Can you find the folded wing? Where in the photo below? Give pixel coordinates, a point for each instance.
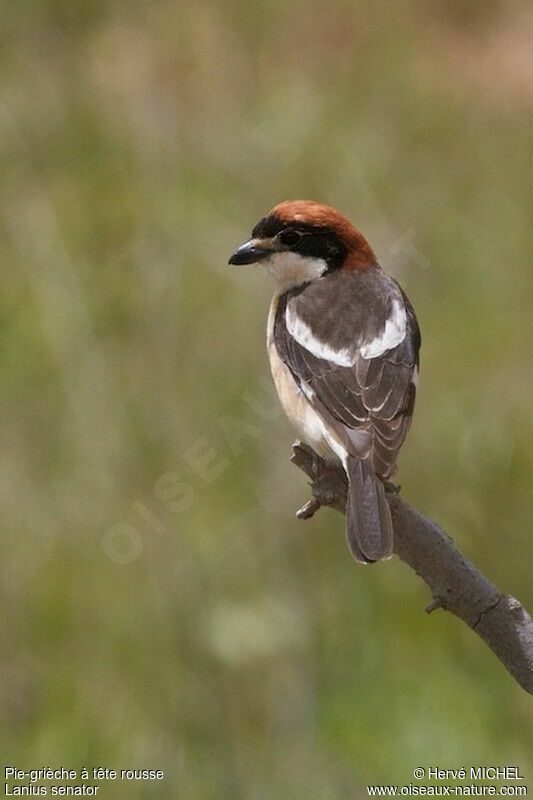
(351, 342)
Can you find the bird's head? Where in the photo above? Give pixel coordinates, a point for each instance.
(301, 240)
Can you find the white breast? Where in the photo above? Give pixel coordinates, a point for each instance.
(302, 415)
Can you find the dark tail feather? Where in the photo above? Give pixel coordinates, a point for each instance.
(368, 518)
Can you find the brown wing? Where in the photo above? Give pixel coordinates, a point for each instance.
(369, 403)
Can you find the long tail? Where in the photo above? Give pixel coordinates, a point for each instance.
(368, 519)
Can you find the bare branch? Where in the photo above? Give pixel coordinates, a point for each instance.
(455, 583)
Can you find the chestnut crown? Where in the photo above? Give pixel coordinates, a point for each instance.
(311, 230)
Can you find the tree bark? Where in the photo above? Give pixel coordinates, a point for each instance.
(455, 583)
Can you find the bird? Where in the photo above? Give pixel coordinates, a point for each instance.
(343, 342)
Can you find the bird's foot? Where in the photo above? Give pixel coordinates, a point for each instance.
(391, 488)
(328, 482)
(326, 487)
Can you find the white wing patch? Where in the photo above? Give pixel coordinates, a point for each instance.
(392, 334)
(303, 334)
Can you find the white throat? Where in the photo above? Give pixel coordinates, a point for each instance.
(290, 270)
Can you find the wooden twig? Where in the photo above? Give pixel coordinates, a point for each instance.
(455, 583)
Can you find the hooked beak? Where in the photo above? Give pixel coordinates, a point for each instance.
(252, 251)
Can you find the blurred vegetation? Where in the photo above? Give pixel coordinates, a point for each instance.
(162, 608)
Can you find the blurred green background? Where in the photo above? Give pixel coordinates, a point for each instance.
(161, 607)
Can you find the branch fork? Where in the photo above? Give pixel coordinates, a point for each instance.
(456, 585)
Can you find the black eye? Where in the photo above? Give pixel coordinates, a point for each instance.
(290, 237)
